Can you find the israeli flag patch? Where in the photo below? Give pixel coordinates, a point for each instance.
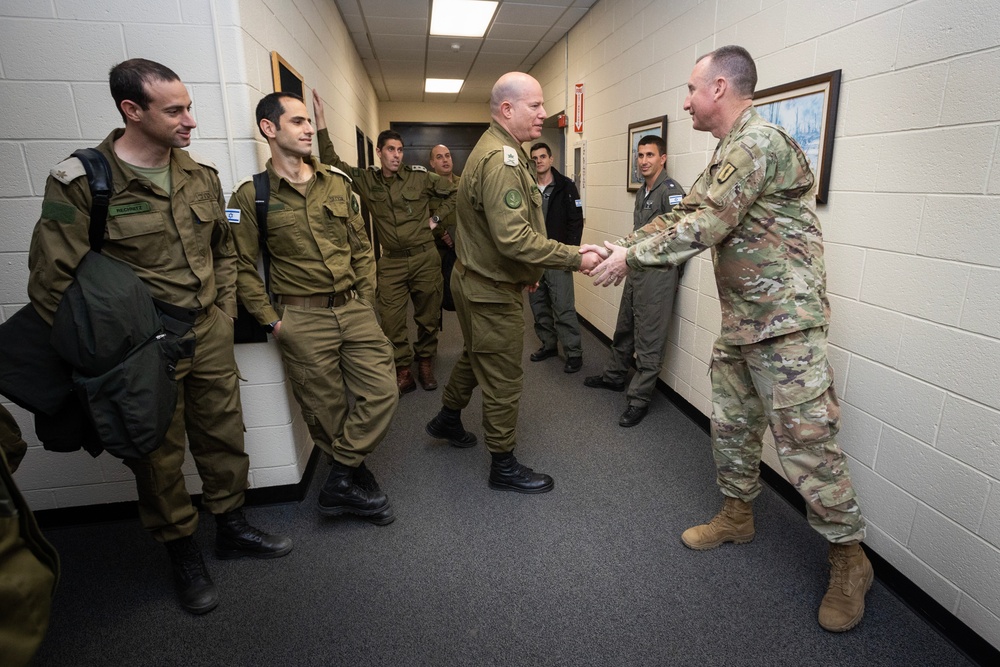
(579, 203)
(233, 215)
(675, 199)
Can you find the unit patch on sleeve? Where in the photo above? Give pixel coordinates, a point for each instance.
(675, 199)
(724, 173)
(512, 198)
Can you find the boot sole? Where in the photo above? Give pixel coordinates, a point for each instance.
(366, 514)
(198, 611)
(454, 443)
(407, 390)
(232, 554)
(861, 613)
(517, 489)
(712, 545)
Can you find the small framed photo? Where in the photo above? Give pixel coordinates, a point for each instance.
(807, 109)
(286, 78)
(637, 131)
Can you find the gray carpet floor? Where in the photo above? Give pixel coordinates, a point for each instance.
(593, 573)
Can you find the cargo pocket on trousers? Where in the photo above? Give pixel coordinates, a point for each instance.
(490, 321)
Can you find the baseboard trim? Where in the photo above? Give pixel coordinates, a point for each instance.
(91, 514)
(964, 638)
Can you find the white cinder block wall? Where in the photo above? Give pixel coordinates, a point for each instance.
(54, 62)
(912, 238)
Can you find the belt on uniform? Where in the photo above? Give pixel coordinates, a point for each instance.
(466, 271)
(407, 252)
(186, 315)
(316, 300)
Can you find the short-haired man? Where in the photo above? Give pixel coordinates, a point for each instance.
(166, 222)
(754, 207)
(648, 296)
(322, 275)
(502, 249)
(398, 196)
(442, 165)
(553, 304)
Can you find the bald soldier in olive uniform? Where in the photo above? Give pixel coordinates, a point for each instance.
(502, 249)
(166, 222)
(398, 196)
(442, 164)
(323, 281)
(754, 207)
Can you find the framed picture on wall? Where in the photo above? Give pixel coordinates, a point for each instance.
(637, 131)
(807, 109)
(286, 78)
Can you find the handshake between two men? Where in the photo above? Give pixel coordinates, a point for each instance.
(606, 265)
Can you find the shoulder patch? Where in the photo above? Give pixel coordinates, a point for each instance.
(724, 173)
(233, 215)
(333, 170)
(512, 198)
(509, 156)
(354, 204)
(203, 161)
(675, 199)
(68, 170)
(416, 167)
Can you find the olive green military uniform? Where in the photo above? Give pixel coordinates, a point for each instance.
(502, 248)
(410, 267)
(646, 305)
(323, 279)
(179, 245)
(754, 207)
(449, 224)
(29, 566)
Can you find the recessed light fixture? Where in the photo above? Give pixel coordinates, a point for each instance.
(443, 85)
(461, 18)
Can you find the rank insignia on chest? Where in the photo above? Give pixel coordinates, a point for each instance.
(724, 173)
(648, 205)
(509, 156)
(512, 199)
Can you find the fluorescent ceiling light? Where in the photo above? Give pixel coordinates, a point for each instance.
(461, 18)
(443, 85)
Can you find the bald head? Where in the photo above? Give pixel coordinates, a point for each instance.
(516, 104)
(440, 161)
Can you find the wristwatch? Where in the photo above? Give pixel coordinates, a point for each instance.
(435, 219)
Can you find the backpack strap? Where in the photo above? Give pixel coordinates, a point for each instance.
(262, 196)
(99, 176)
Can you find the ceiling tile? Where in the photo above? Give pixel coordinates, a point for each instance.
(507, 46)
(447, 70)
(525, 14)
(398, 42)
(411, 9)
(522, 32)
(393, 25)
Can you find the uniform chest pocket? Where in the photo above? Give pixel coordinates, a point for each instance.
(141, 238)
(536, 197)
(206, 215)
(283, 235)
(411, 194)
(335, 222)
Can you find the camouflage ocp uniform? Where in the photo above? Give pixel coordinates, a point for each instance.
(753, 206)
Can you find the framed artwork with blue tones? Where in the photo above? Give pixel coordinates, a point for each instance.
(807, 109)
(637, 131)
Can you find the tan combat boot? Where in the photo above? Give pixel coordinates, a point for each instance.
(404, 380)
(851, 576)
(733, 524)
(425, 373)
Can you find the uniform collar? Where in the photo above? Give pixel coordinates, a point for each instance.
(121, 174)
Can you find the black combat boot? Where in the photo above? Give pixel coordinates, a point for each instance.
(235, 538)
(506, 474)
(195, 589)
(364, 478)
(341, 495)
(447, 425)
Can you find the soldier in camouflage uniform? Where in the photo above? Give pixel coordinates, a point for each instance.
(398, 196)
(502, 249)
(323, 280)
(166, 222)
(754, 207)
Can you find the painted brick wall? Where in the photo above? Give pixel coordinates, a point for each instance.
(912, 241)
(54, 61)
